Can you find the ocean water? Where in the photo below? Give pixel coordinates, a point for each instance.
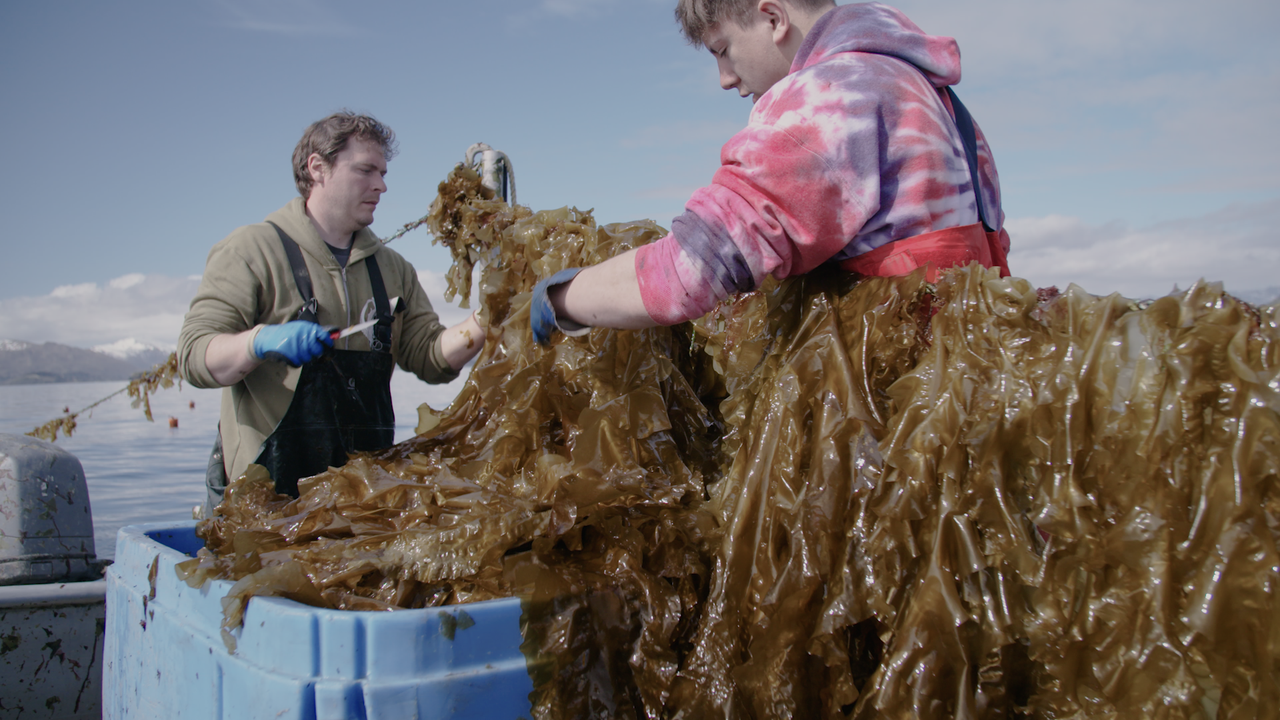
(140, 471)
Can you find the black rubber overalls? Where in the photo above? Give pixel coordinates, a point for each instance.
(341, 405)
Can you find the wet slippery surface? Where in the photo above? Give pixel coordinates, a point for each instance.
(825, 499)
(51, 659)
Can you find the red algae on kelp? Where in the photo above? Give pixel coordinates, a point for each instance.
(828, 498)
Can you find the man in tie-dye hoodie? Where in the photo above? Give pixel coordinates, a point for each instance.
(853, 154)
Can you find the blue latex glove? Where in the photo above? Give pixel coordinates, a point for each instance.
(297, 343)
(542, 317)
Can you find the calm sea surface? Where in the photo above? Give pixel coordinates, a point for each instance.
(141, 471)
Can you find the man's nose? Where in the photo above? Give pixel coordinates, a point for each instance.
(728, 80)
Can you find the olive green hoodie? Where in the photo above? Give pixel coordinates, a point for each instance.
(247, 283)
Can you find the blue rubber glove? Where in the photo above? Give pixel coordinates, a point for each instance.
(297, 343)
(542, 317)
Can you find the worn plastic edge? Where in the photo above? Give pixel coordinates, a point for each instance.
(53, 594)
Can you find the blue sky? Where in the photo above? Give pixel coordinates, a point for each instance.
(1136, 140)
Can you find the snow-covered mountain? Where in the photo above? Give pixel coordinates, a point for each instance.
(23, 362)
(132, 351)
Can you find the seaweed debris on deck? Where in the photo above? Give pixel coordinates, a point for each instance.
(827, 498)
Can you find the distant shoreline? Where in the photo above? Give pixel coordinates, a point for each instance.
(53, 378)
(27, 363)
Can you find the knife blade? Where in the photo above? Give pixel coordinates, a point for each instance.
(336, 334)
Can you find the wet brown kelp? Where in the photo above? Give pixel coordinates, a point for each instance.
(827, 498)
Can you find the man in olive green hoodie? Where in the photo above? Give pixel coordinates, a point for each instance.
(296, 400)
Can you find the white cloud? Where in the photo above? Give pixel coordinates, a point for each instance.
(435, 284)
(584, 8)
(1236, 245)
(524, 19)
(288, 17)
(135, 310)
(74, 291)
(146, 308)
(575, 8)
(124, 282)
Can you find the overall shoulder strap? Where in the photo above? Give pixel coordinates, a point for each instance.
(381, 340)
(964, 123)
(310, 309)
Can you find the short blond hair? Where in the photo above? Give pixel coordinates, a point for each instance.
(697, 16)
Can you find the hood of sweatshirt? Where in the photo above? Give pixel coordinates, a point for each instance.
(880, 29)
(293, 219)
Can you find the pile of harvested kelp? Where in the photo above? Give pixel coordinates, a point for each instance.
(825, 499)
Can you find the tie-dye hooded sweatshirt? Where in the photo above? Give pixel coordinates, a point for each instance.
(853, 149)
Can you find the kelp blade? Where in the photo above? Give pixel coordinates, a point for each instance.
(827, 498)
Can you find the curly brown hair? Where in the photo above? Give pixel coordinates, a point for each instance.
(697, 16)
(329, 136)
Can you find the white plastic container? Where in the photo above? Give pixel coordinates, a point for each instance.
(165, 658)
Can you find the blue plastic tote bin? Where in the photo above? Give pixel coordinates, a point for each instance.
(165, 659)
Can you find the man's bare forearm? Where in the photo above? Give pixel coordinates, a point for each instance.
(462, 342)
(229, 357)
(604, 295)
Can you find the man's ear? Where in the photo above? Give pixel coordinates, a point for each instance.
(318, 168)
(778, 17)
